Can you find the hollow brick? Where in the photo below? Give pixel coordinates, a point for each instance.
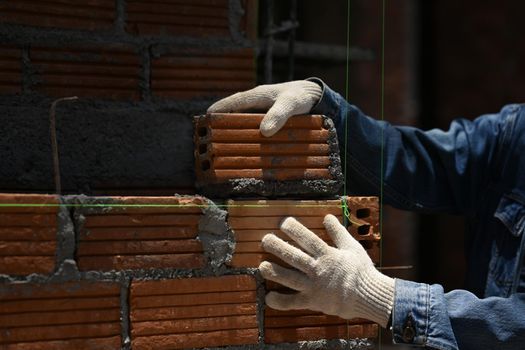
(194, 312)
(304, 149)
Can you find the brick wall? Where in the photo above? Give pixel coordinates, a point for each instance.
(173, 272)
(134, 65)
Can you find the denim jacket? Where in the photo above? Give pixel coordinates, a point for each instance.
(476, 169)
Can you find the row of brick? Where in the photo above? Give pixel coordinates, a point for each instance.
(116, 72)
(203, 18)
(120, 233)
(164, 314)
(160, 232)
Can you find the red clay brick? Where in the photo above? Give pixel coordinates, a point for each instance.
(105, 71)
(251, 220)
(220, 310)
(28, 228)
(132, 262)
(28, 203)
(201, 324)
(10, 69)
(69, 14)
(77, 344)
(196, 340)
(10, 248)
(286, 335)
(27, 233)
(195, 73)
(25, 265)
(13, 335)
(52, 318)
(19, 291)
(28, 219)
(140, 232)
(181, 312)
(218, 161)
(258, 149)
(82, 303)
(57, 312)
(141, 220)
(193, 285)
(186, 18)
(140, 247)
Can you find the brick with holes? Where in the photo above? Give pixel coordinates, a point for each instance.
(234, 159)
(118, 233)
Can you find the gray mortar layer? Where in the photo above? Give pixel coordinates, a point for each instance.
(216, 236)
(250, 187)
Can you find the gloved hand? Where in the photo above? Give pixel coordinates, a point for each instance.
(280, 100)
(338, 281)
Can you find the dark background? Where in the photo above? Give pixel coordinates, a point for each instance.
(443, 60)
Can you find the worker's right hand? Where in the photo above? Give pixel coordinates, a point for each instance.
(280, 100)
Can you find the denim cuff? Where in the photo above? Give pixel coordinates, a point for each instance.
(420, 317)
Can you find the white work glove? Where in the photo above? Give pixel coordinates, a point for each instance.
(338, 281)
(280, 100)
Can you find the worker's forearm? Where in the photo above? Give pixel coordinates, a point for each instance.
(431, 170)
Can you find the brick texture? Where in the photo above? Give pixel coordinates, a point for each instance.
(104, 71)
(230, 146)
(10, 70)
(74, 315)
(251, 220)
(178, 18)
(193, 312)
(140, 232)
(68, 14)
(192, 73)
(27, 233)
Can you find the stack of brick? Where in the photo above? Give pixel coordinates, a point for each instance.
(158, 273)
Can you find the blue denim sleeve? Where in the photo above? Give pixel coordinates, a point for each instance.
(424, 315)
(422, 170)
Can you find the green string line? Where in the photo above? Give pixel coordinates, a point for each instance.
(346, 211)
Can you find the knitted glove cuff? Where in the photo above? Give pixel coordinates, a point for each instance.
(375, 293)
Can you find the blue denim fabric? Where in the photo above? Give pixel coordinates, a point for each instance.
(475, 169)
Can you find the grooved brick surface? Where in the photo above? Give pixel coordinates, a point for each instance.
(10, 69)
(79, 315)
(250, 220)
(230, 147)
(139, 232)
(192, 73)
(28, 230)
(104, 71)
(68, 14)
(178, 18)
(193, 312)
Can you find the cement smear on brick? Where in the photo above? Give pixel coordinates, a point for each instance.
(216, 236)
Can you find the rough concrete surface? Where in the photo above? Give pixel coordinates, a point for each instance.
(102, 145)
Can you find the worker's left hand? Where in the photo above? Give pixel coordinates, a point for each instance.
(281, 101)
(338, 281)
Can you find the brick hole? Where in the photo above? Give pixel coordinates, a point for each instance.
(362, 213)
(205, 165)
(363, 230)
(203, 148)
(202, 131)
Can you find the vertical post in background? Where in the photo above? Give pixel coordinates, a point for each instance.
(291, 39)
